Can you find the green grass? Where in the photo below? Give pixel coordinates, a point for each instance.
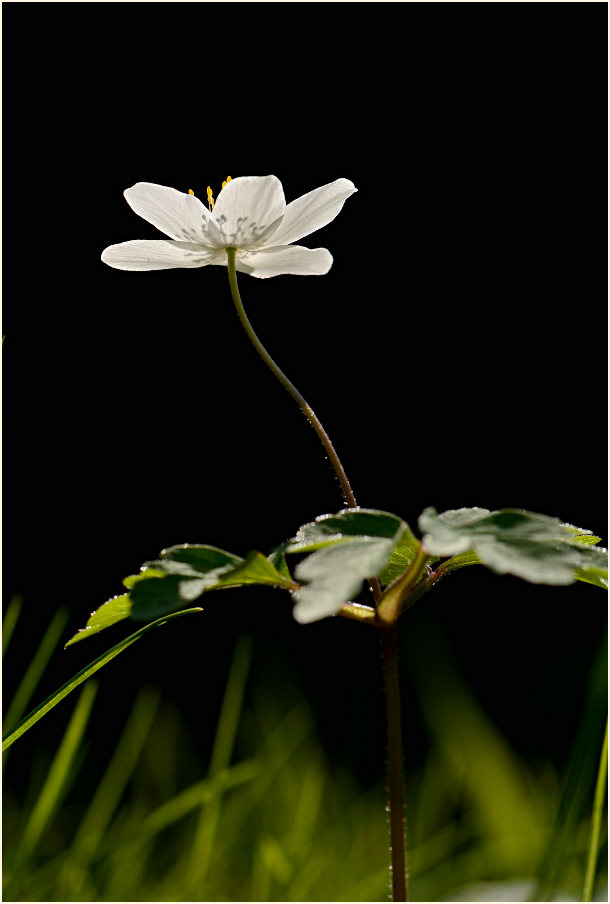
(271, 818)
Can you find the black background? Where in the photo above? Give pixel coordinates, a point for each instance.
(455, 352)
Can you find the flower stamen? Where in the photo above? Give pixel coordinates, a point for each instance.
(210, 193)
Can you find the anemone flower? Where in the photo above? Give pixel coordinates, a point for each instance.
(250, 215)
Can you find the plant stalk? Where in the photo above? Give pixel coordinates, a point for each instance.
(387, 614)
(596, 821)
(294, 392)
(396, 791)
(307, 410)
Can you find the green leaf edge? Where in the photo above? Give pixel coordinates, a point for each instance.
(99, 620)
(298, 544)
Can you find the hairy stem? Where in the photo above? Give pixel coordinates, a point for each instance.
(596, 821)
(387, 614)
(389, 646)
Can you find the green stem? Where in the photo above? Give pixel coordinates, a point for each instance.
(596, 821)
(396, 791)
(391, 604)
(307, 410)
(358, 613)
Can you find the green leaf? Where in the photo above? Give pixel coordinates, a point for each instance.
(332, 576)
(256, 569)
(158, 595)
(144, 575)
(596, 570)
(347, 548)
(402, 556)
(534, 547)
(111, 612)
(579, 535)
(26, 723)
(197, 560)
(277, 557)
(460, 561)
(344, 527)
(219, 568)
(192, 571)
(115, 609)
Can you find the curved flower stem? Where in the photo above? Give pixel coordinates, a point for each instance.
(294, 392)
(596, 820)
(307, 410)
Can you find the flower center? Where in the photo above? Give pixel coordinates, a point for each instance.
(211, 201)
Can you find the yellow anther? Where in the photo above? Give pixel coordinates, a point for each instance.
(191, 192)
(228, 180)
(210, 198)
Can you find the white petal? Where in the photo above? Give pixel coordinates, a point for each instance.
(286, 259)
(312, 211)
(158, 255)
(248, 210)
(178, 215)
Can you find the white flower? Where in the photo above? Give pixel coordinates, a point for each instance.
(250, 214)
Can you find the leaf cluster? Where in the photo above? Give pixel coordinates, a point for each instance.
(337, 553)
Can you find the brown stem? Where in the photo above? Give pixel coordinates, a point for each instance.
(396, 790)
(310, 414)
(294, 392)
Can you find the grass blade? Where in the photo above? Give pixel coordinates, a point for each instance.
(67, 688)
(34, 672)
(106, 799)
(192, 798)
(596, 821)
(56, 782)
(11, 615)
(220, 760)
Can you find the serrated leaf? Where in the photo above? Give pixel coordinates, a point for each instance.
(402, 556)
(332, 576)
(347, 548)
(579, 535)
(186, 580)
(256, 569)
(111, 612)
(447, 534)
(535, 547)
(28, 721)
(596, 570)
(197, 560)
(344, 527)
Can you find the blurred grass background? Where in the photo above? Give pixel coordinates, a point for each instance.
(254, 807)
